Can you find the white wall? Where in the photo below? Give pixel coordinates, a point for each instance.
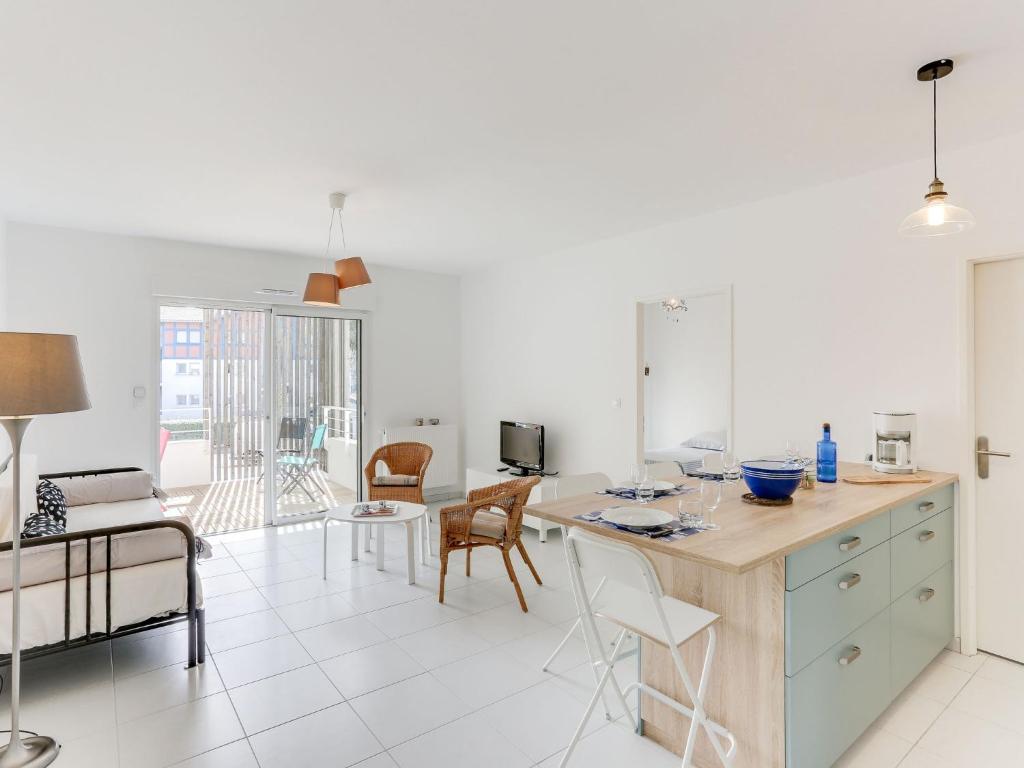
(101, 287)
(688, 355)
(835, 316)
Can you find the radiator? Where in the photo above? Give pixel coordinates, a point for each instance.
(443, 470)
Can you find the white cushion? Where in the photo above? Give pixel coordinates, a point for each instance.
(490, 524)
(99, 489)
(396, 480)
(713, 441)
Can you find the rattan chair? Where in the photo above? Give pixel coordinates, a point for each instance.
(406, 463)
(475, 524)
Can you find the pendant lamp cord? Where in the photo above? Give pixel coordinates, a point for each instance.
(327, 251)
(330, 231)
(935, 129)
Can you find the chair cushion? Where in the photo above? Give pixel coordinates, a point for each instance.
(403, 480)
(490, 524)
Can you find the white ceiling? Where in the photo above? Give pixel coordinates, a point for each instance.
(468, 131)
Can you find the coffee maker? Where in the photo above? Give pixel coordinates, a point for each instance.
(894, 441)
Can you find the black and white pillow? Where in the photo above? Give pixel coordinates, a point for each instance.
(52, 515)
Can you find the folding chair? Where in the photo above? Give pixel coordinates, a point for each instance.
(291, 437)
(632, 599)
(296, 470)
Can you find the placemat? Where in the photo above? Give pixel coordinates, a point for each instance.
(630, 493)
(669, 532)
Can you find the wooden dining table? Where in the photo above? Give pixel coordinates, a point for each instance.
(739, 572)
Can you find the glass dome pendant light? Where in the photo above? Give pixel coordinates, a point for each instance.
(937, 216)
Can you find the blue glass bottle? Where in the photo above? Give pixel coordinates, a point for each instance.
(826, 456)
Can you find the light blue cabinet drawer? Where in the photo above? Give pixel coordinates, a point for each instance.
(830, 703)
(914, 512)
(922, 625)
(810, 562)
(823, 611)
(920, 550)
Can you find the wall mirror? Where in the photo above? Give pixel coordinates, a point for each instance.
(684, 380)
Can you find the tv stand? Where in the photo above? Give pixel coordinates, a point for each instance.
(523, 472)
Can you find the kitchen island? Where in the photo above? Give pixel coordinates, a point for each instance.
(829, 606)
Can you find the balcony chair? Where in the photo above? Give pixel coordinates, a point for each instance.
(291, 436)
(491, 517)
(296, 470)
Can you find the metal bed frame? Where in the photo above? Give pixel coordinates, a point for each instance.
(193, 615)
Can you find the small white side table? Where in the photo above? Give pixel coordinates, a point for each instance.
(408, 514)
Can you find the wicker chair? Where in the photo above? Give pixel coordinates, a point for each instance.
(406, 463)
(473, 524)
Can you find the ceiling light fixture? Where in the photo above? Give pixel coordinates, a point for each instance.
(672, 306)
(322, 287)
(937, 216)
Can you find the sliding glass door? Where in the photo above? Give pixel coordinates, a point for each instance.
(317, 412)
(212, 414)
(260, 416)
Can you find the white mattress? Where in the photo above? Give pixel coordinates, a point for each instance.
(137, 593)
(681, 454)
(46, 563)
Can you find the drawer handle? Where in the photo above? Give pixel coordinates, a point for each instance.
(926, 595)
(926, 506)
(849, 582)
(926, 536)
(849, 544)
(848, 658)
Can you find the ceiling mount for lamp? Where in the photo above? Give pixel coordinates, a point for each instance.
(672, 306)
(322, 287)
(937, 216)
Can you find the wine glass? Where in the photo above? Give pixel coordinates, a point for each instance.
(793, 452)
(730, 467)
(710, 497)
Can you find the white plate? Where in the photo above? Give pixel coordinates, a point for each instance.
(637, 517)
(659, 486)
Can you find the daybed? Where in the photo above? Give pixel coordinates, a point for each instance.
(117, 527)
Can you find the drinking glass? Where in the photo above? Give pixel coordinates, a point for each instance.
(637, 476)
(691, 511)
(645, 491)
(710, 497)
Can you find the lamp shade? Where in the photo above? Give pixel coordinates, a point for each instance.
(936, 217)
(321, 290)
(40, 373)
(351, 272)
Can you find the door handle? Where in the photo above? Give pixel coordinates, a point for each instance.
(983, 452)
(925, 536)
(849, 582)
(926, 595)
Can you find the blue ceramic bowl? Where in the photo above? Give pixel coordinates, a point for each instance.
(776, 484)
(772, 467)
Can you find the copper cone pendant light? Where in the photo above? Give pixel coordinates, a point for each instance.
(937, 216)
(322, 287)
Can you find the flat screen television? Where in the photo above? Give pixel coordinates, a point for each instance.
(522, 446)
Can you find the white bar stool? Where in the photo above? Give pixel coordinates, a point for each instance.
(631, 597)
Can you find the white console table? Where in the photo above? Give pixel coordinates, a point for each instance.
(543, 491)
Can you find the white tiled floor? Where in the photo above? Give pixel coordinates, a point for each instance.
(364, 670)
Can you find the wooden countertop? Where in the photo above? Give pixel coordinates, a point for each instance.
(751, 535)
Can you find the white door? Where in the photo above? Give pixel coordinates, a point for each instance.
(999, 417)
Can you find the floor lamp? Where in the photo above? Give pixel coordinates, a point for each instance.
(40, 373)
